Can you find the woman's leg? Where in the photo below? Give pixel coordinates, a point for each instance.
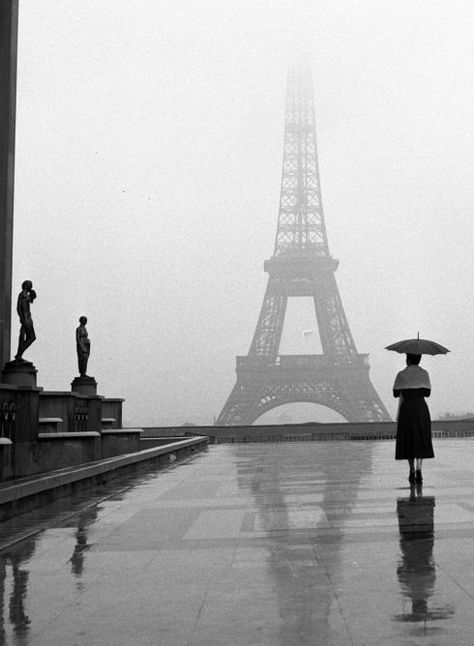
(411, 475)
(418, 475)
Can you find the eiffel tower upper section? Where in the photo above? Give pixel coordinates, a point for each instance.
(301, 264)
(301, 231)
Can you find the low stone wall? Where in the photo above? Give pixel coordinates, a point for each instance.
(303, 432)
(25, 459)
(6, 459)
(112, 412)
(148, 442)
(77, 412)
(20, 496)
(52, 429)
(52, 451)
(59, 450)
(120, 441)
(310, 432)
(173, 431)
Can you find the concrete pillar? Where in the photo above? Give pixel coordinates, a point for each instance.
(8, 62)
(25, 443)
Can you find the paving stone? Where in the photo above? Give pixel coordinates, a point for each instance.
(274, 544)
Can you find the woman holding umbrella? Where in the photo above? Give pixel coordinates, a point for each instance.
(412, 385)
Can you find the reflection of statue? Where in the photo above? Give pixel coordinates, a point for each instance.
(27, 331)
(84, 520)
(16, 559)
(417, 570)
(83, 346)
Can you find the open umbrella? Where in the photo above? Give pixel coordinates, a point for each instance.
(417, 346)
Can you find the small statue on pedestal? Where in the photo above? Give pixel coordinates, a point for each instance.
(27, 330)
(85, 384)
(83, 346)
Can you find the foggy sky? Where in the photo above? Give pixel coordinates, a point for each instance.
(149, 153)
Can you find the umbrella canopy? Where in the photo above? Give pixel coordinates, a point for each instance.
(417, 346)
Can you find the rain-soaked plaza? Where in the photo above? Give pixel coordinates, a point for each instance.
(286, 543)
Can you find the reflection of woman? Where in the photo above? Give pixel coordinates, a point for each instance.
(413, 442)
(417, 571)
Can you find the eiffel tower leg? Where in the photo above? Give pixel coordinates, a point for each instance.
(239, 408)
(265, 344)
(334, 331)
(266, 339)
(365, 403)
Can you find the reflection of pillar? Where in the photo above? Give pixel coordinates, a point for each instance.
(18, 616)
(20, 621)
(8, 57)
(2, 596)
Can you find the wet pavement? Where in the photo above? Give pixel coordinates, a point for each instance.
(278, 544)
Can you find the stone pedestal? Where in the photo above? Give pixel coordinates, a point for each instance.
(22, 375)
(84, 385)
(87, 387)
(19, 373)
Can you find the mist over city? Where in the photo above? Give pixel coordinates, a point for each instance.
(149, 155)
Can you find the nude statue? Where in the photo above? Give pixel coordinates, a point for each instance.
(27, 330)
(83, 346)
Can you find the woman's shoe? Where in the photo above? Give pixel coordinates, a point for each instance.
(411, 477)
(418, 477)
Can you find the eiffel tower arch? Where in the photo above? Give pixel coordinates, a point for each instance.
(301, 266)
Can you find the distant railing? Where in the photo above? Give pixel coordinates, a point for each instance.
(293, 361)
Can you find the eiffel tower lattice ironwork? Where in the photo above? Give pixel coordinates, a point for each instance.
(301, 266)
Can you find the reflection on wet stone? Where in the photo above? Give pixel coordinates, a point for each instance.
(85, 519)
(15, 623)
(270, 545)
(304, 575)
(11, 564)
(417, 569)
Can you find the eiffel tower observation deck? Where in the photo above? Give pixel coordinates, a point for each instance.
(302, 266)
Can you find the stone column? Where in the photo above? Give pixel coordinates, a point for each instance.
(8, 62)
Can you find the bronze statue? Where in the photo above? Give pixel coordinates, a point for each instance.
(83, 346)
(27, 331)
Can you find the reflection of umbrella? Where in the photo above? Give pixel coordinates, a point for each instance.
(417, 346)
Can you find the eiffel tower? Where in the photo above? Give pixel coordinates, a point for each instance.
(301, 266)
